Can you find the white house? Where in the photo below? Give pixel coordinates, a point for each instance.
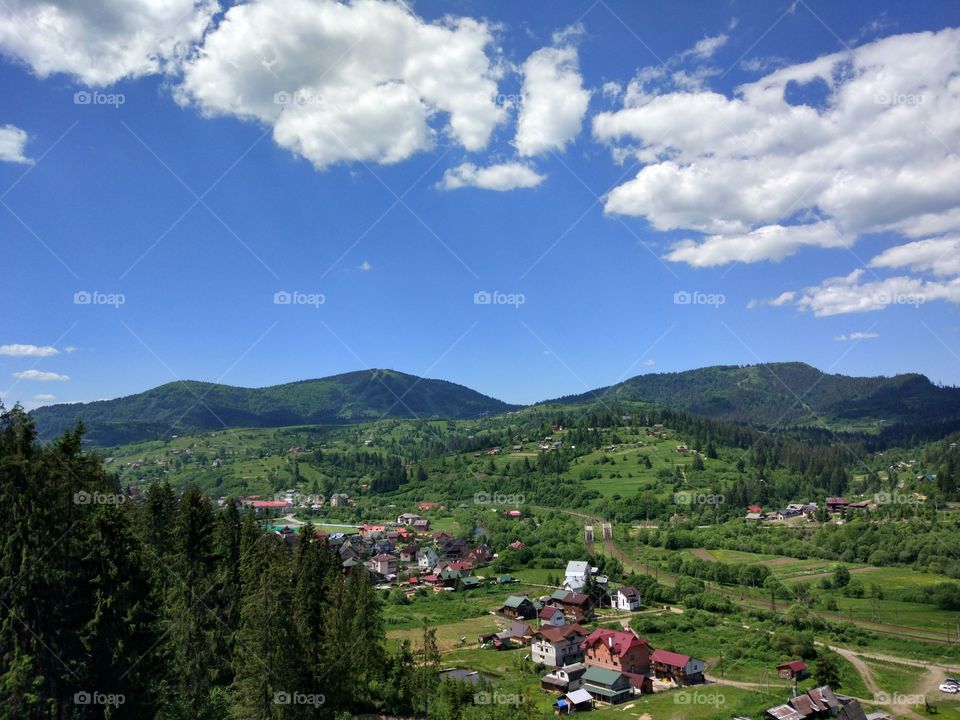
(626, 598)
(576, 575)
(426, 558)
(557, 646)
(551, 615)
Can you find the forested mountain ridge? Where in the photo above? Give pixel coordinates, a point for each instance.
(790, 393)
(190, 406)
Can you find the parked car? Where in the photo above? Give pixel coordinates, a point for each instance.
(949, 688)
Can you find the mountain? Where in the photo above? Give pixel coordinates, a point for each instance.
(768, 394)
(191, 406)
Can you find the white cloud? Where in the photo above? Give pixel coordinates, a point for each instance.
(872, 156)
(941, 256)
(648, 363)
(102, 42)
(847, 294)
(19, 350)
(506, 176)
(70, 349)
(857, 336)
(772, 242)
(554, 100)
(44, 397)
(365, 266)
(705, 48)
(13, 143)
(343, 82)
(780, 300)
(40, 376)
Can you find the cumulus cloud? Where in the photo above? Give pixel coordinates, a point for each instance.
(705, 48)
(849, 294)
(780, 300)
(40, 376)
(941, 256)
(857, 336)
(506, 176)
(364, 81)
(102, 42)
(867, 154)
(554, 100)
(13, 143)
(772, 242)
(19, 350)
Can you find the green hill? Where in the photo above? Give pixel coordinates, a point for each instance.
(191, 406)
(788, 394)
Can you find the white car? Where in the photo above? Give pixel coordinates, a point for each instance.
(949, 688)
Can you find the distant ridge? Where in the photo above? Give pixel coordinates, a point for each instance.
(191, 406)
(787, 393)
(772, 394)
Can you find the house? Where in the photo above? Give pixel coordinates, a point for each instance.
(552, 615)
(442, 536)
(557, 646)
(279, 506)
(506, 579)
(575, 701)
(339, 500)
(576, 606)
(836, 504)
(681, 669)
(517, 545)
(606, 685)
(792, 670)
(576, 575)
(408, 553)
(518, 606)
(515, 514)
(384, 564)
(470, 582)
(428, 506)
(454, 549)
(407, 519)
(426, 558)
(754, 509)
(372, 531)
(817, 703)
(753, 517)
(622, 650)
(564, 679)
(520, 633)
(787, 513)
(421, 525)
(626, 598)
(480, 555)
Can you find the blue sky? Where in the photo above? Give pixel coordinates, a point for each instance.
(637, 188)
